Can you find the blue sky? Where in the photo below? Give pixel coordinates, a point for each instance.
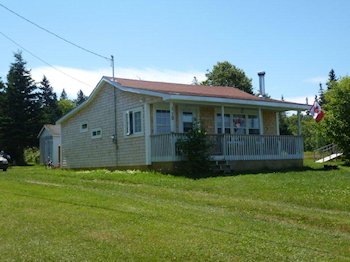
(295, 42)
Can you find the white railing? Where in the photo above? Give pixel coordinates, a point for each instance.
(164, 147)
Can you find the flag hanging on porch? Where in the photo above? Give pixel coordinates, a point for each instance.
(317, 112)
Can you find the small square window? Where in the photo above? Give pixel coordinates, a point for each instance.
(96, 133)
(83, 127)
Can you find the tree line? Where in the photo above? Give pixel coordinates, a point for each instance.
(25, 106)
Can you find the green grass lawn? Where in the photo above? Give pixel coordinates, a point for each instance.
(48, 215)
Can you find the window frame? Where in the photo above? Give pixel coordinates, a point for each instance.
(97, 135)
(159, 125)
(130, 122)
(84, 130)
(232, 112)
(187, 109)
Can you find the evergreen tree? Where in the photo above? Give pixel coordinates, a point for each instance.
(63, 95)
(332, 78)
(80, 98)
(321, 96)
(2, 104)
(226, 74)
(48, 100)
(21, 121)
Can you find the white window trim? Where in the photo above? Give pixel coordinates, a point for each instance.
(193, 110)
(96, 130)
(126, 120)
(83, 130)
(238, 111)
(159, 107)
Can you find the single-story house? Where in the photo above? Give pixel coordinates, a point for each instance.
(136, 124)
(50, 144)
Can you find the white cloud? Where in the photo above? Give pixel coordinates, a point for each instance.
(86, 80)
(316, 80)
(301, 99)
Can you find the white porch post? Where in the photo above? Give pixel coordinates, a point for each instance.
(222, 120)
(277, 123)
(172, 118)
(299, 124)
(147, 121)
(261, 122)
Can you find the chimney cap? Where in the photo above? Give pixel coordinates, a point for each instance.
(262, 73)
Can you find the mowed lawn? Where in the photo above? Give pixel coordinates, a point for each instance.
(55, 215)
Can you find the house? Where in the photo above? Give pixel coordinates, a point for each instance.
(50, 144)
(136, 124)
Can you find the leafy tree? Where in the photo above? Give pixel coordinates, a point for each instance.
(226, 74)
(64, 106)
(49, 105)
(337, 119)
(80, 98)
(63, 95)
(284, 124)
(332, 78)
(21, 118)
(313, 133)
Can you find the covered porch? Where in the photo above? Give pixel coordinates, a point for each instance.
(228, 147)
(242, 135)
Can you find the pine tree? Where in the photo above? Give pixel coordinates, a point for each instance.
(21, 122)
(48, 100)
(331, 79)
(2, 104)
(321, 96)
(63, 95)
(80, 98)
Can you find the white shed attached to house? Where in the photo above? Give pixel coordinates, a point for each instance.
(50, 144)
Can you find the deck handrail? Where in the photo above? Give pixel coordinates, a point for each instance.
(232, 147)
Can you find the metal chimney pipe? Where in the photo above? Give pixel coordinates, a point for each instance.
(262, 82)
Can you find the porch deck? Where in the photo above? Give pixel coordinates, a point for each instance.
(164, 147)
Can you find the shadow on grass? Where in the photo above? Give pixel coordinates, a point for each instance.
(305, 168)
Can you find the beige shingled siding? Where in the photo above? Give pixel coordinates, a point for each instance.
(81, 151)
(207, 119)
(78, 148)
(131, 149)
(269, 118)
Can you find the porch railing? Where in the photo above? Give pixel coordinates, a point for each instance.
(164, 147)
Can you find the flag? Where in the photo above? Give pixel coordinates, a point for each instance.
(316, 112)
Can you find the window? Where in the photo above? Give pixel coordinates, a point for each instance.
(239, 124)
(226, 123)
(96, 133)
(133, 122)
(253, 125)
(83, 127)
(162, 121)
(187, 121)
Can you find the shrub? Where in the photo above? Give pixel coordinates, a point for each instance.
(32, 155)
(195, 148)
